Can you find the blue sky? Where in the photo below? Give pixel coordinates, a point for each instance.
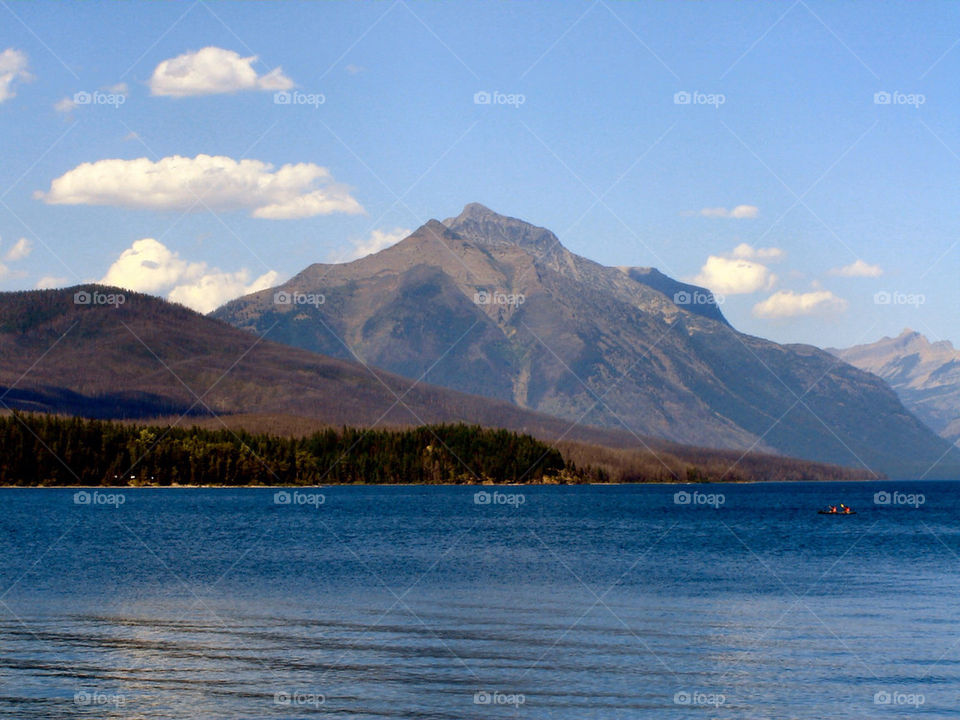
(784, 124)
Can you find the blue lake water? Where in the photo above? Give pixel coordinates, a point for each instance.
(421, 602)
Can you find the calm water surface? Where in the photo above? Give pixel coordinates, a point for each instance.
(383, 602)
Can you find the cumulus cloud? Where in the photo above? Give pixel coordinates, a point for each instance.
(50, 281)
(150, 266)
(740, 212)
(767, 254)
(13, 67)
(734, 276)
(378, 240)
(21, 249)
(858, 269)
(222, 183)
(788, 304)
(210, 71)
(213, 289)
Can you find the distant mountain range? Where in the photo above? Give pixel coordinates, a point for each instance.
(925, 375)
(495, 306)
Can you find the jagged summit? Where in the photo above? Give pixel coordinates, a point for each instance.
(926, 375)
(478, 223)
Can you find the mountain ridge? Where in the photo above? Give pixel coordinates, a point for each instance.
(496, 306)
(924, 374)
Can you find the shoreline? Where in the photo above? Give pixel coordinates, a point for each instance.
(445, 485)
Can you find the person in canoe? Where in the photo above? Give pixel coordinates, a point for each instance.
(835, 510)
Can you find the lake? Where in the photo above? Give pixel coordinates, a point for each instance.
(722, 601)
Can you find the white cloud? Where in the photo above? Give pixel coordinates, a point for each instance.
(378, 240)
(210, 71)
(13, 66)
(740, 212)
(213, 289)
(858, 269)
(50, 281)
(21, 249)
(767, 254)
(734, 276)
(222, 183)
(150, 266)
(786, 304)
(64, 106)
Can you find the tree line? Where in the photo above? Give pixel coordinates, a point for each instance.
(38, 449)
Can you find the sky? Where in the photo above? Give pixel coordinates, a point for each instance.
(799, 160)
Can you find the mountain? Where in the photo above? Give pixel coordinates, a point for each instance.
(495, 306)
(925, 375)
(145, 357)
(117, 354)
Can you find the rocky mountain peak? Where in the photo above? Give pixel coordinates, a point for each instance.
(478, 223)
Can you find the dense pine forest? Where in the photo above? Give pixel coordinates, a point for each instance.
(40, 449)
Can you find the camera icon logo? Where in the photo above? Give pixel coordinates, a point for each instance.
(681, 98)
(481, 97)
(681, 298)
(82, 298)
(281, 497)
(82, 98)
(282, 97)
(481, 298)
(881, 298)
(282, 298)
(482, 498)
(682, 498)
(81, 498)
(482, 697)
(881, 498)
(882, 98)
(681, 698)
(281, 697)
(882, 698)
